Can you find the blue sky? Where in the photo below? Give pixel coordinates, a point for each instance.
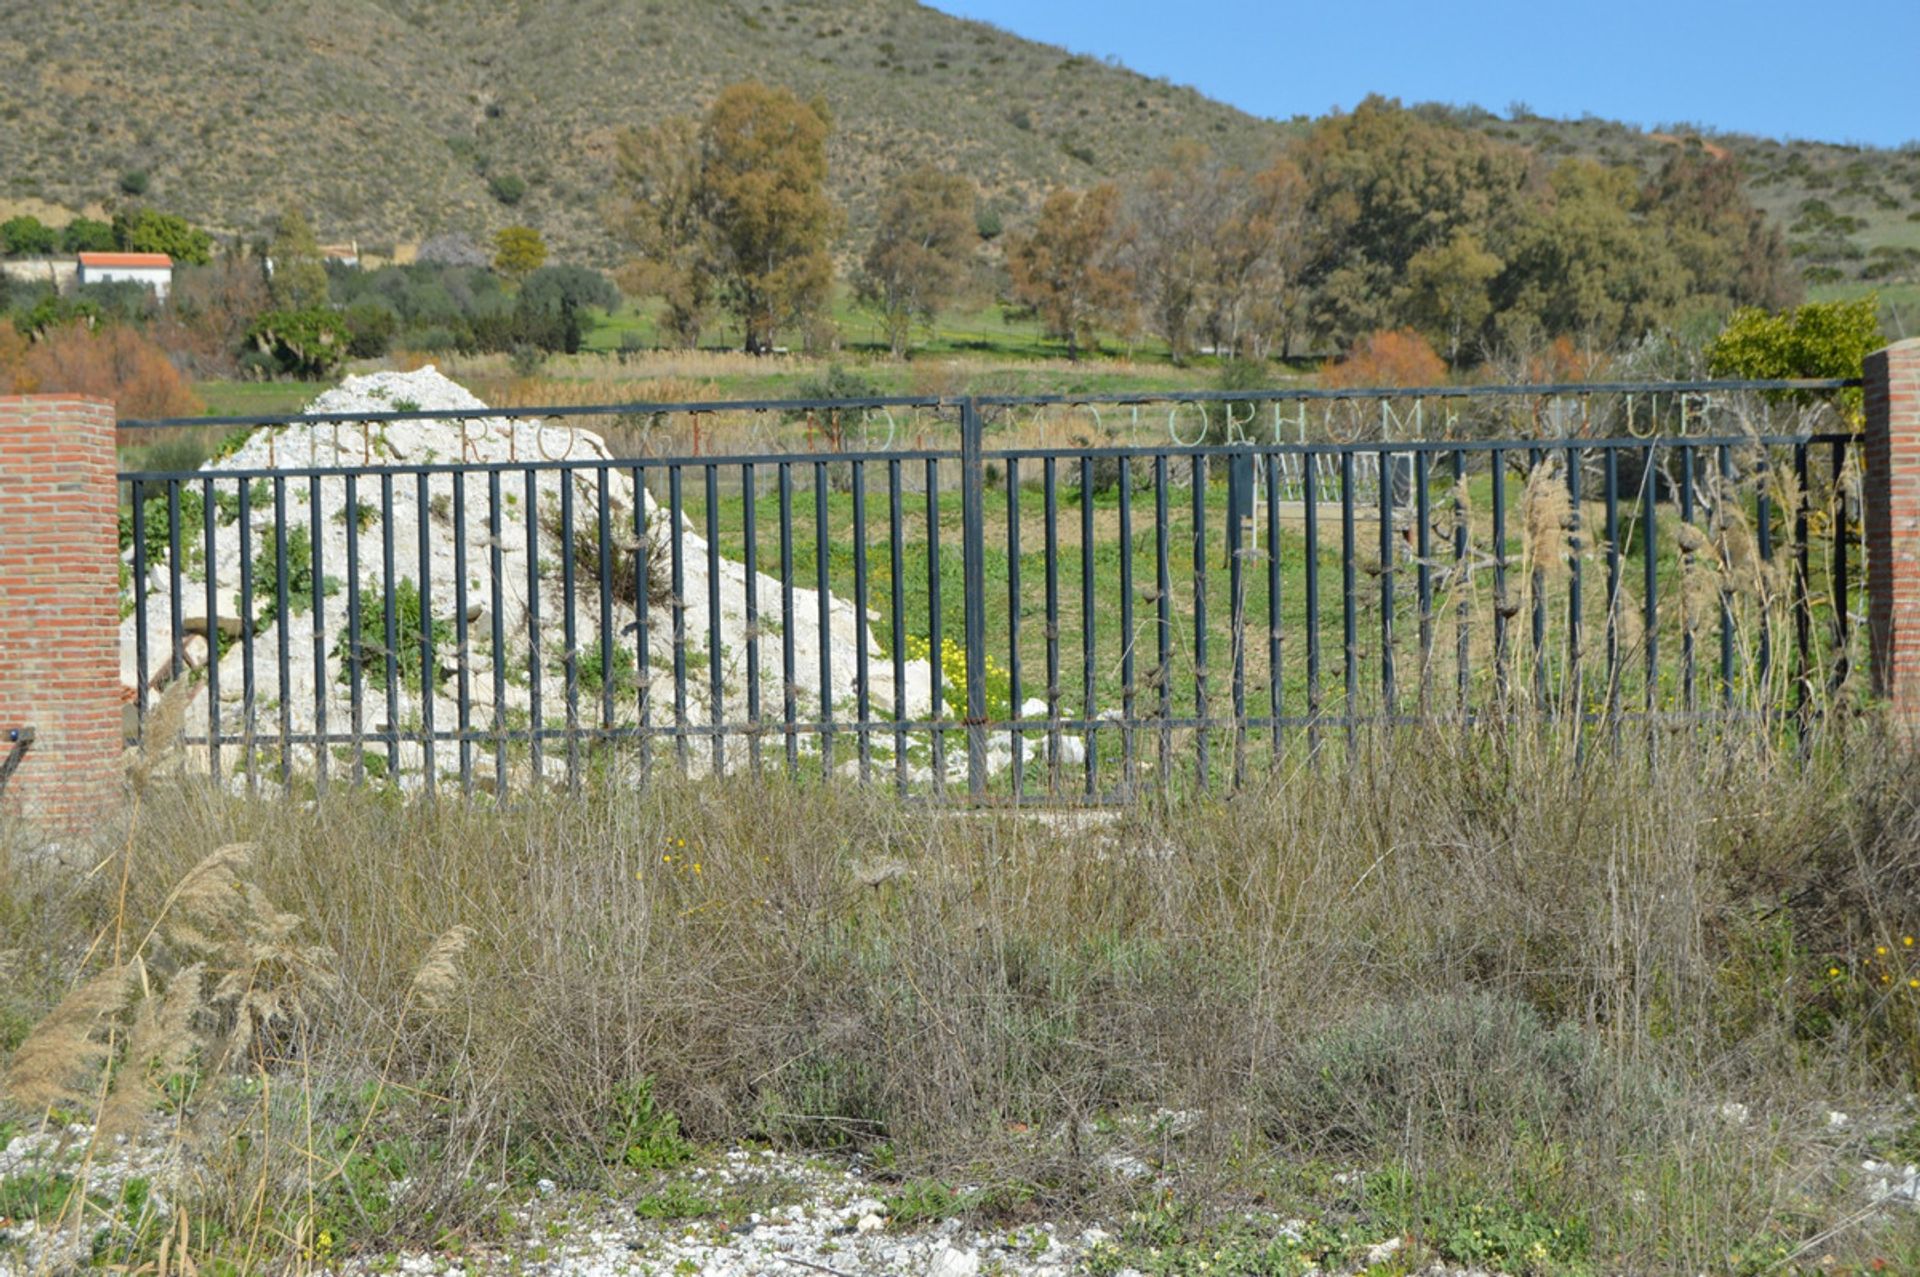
(1832, 72)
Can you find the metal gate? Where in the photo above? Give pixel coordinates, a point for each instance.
(1004, 598)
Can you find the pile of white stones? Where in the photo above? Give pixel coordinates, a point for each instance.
(317, 514)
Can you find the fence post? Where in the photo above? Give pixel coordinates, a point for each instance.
(973, 563)
(62, 733)
(1892, 493)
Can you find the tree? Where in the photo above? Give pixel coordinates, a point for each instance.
(1174, 221)
(1731, 252)
(763, 190)
(732, 209)
(142, 230)
(14, 379)
(25, 236)
(1816, 340)
(552, 287)
(1383, 184)
(920, 250)
(1446, 290)
(309, 344)
(1585, 262)
(298, 278)
(1400, 357)
(1257, 292)
(662, 219)
(85, 235)
(518, 251)
(209, 310)
(1067, 269)
(113, 362)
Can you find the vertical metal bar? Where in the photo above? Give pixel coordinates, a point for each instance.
(1310, 541)
(749, 493)
(138, 494)
(569, 627)
(1129, 764)
(788, 687)
(356, 674)
(1612, 486)
(1016, 739)
(283, 610)
(1163, 615)
(1276, 691)
(315, 533)
(642, 614)
(1087, 707)
(1349, 622)
(177, 662)
(603, 529)
(1686, 559)
(1389, 567)
(1650, 578)
(1423, 570)
(935, 673)
(861, 673)
(1840, 591)
(1537, 458)
(676, 511)
(1050, 493)
(1576, 545)
(422, 507)
(974, 561)
(1497, 475)
(1763, 531)
(716, 649)
(1240, 534)
(897, 623)
(390, 641)
(463, 687)
(496, 578)
(1722, 500)
(536, 723)
(822, 550)
(1461, 584)
(1802, 602)
(1198, 488)
(249, 726)
(209, 556)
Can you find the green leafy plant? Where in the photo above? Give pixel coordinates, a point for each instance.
(299, 568)
(640, 1133)
(409, 629)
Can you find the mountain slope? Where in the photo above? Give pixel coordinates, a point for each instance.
(392, 120)
(387, 119)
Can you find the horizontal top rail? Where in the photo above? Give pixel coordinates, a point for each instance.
(1117, 398)
(718, 460)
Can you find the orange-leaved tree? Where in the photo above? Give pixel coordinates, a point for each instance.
(1067, 269)
(1391, 357)
(113, 362)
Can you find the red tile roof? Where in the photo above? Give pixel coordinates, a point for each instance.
(160, 260)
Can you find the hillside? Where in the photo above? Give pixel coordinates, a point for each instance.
(1851, 213)
(388, 119)
(393, 120)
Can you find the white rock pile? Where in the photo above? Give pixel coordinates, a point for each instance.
(318, 682)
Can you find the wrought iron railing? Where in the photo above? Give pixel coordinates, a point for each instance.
(1006, 597)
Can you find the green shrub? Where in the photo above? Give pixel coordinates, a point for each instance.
(408, 632)
(309, 344)
(1467, 1071)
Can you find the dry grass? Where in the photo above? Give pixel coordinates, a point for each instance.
(1484, 964)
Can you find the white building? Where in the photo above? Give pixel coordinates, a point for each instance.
(155, 270)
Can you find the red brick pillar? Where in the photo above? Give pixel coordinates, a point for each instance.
(1892, 483)
(60, 611)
